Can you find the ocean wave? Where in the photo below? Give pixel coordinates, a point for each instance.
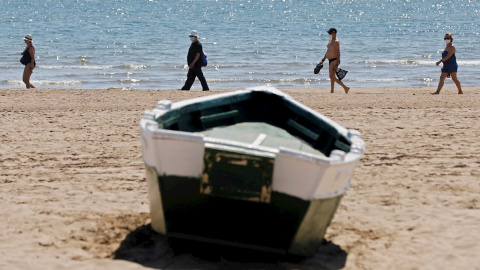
(262, 64)
(133, 67)
(414, 62)
(129, 81)
(120, 88)
(76, 67)
(469, 63)
(423, 56)
(397, 62)
(45, 82)
(216, 80)
(292, 81)
(380, 80)
(299, 81)
(264, 80)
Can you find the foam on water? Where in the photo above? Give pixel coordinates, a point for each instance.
(76, 67)
(43, 82)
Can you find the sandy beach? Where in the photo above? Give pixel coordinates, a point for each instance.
(73, 191)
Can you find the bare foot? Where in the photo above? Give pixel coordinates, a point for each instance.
(347, 89)
(331, 92)
(460, 93)
(435, 93)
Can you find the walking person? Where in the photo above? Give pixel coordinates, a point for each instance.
(333, 56)
(194, 61)
(450, 66)
(28, 59)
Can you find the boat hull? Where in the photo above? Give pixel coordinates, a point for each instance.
(285, 225)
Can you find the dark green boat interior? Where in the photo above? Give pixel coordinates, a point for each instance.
(257, 107)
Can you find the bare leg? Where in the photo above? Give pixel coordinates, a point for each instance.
(343, 85)
(333, 79)
(27, 72)
(457, 82)
(31, 85)
(440, 83)
(26, 76)
(332, 69)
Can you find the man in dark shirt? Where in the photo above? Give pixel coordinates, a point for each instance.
(194, 61)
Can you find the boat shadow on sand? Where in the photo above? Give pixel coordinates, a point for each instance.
(151, 249)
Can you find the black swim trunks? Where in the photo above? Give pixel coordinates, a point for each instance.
(331, 60)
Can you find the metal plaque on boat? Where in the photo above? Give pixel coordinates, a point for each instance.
(237, 175)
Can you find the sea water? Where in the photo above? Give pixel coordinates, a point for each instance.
(143, 44)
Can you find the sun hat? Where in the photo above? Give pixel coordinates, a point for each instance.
(194, 33)
(28, 37)
(332, 30)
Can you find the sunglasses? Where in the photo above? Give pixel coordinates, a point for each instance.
(447, 38)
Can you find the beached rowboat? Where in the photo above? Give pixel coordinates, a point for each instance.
(252, 168)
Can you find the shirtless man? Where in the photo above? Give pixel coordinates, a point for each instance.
(333, 56)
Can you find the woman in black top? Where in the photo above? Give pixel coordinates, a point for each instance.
(28, 59)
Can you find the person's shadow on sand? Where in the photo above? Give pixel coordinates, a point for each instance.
(151, 249)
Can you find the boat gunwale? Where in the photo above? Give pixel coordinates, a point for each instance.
(339, 137)
(337, 156)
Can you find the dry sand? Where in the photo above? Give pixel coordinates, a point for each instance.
(73, 191)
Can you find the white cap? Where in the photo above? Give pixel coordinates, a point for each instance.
(194, 33)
